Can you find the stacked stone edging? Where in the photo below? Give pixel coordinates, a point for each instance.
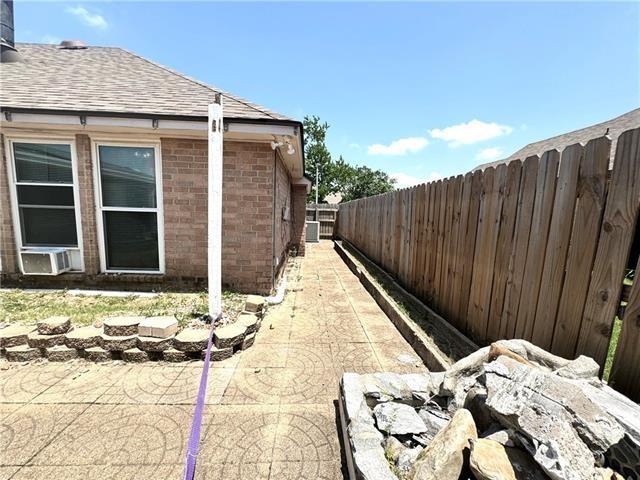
(130, 338)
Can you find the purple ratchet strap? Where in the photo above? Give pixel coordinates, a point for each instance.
(194, 436)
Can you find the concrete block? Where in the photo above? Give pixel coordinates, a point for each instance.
(135, 355)
(36, 340)
(119, 343)
(83, 338)
(54, 325)
(61, 353)
(154, 344)
(249, 321)
(97, 354)
(173, 355)
(15, 335)
(22, 353)
(159, 327)
(121, 326)
(191, 339)
(248, 341)
(255, 304)
(219, 354)
(229, 335)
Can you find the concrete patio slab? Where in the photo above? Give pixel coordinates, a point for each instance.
(270, 412)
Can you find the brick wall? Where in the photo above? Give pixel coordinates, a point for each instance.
(247, 211)
(299, 211)
(87, 205)
(282, 225)
(248, 195)
(7, 245)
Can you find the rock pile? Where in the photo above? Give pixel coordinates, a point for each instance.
(130, 338)
(511, 411)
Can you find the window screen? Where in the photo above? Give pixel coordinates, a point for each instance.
(44, 187)
(128, 177)
(131, 240)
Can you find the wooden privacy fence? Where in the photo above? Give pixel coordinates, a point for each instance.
(533, 249)
(325, 213)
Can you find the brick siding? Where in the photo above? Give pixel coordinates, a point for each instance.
(247, 228)
(299, 210)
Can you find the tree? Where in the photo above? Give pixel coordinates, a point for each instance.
(366, 182)
(318, 158)
(341, 177)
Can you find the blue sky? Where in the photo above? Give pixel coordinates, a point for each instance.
(420, 90)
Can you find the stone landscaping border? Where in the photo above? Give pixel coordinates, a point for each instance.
(435, 341)
(130, 338)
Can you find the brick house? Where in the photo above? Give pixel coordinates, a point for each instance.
(104, 154)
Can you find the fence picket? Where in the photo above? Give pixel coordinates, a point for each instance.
(616, 235)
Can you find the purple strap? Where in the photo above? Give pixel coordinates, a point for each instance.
(194, 436)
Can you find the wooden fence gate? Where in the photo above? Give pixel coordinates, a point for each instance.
(534, 249)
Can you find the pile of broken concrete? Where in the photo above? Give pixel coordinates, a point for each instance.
(510, 411)
(130, 338)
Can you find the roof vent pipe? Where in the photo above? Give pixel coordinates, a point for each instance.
(8, 52)
(72, 45)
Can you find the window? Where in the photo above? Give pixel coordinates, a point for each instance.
(45, 196)
(129, 184)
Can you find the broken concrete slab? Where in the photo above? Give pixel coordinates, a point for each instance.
(398, 419)
(191, 340)
(158, 327)
(444, 456)
(97, 354)
(22, 353)
(118, 343)
(255, 304)
(36, 340)
(554, 422)
(489, 461)
(54, 325)
(15, 335)
(83, 338)
(121, 326)
(229, 335)
(135, 355)
(155, 344)
(385, 387)
(61, 353)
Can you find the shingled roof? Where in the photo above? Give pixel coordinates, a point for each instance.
(613, 128)
(110, 80)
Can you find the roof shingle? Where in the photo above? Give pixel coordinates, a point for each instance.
(110, 80)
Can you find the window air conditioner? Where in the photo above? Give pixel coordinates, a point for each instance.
(313, 231)
(45, 261)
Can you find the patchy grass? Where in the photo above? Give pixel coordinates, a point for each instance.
(29, 307)
(613, 343)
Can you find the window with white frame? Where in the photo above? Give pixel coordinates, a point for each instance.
(129, 208)
(45, 196)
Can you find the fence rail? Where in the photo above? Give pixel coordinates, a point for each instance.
(533, 249)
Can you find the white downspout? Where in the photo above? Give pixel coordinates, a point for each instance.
(214, 208)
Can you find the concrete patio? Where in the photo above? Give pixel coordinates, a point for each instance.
(271, 411)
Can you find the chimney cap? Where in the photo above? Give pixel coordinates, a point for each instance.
(72, 44)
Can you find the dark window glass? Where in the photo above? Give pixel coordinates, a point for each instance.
(46, 163)
(128, 177)
(45, 195)
(48, 227)
(131, 240)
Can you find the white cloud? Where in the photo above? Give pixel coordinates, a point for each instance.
(403, 180)
(490, 153)
(94, 20)
(471, 132)
(401, 146)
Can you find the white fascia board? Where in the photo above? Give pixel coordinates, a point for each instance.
(100, 121)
